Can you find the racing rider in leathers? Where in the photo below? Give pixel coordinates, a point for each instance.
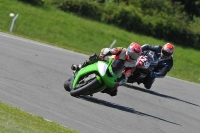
(165, 62)
(128, 55)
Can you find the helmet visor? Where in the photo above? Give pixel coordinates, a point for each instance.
(132, 55)
(166, 54)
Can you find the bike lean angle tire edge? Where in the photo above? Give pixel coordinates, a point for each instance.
(67, 84)
(90, 86)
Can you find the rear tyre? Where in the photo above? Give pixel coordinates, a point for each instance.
(90, 86)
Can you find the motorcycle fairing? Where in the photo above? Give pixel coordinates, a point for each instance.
(84, 71)
(102, 67)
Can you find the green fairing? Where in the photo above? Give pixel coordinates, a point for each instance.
(108, 81)
(88, 69)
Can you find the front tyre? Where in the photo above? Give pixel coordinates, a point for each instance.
(67, 84)
(90, 86)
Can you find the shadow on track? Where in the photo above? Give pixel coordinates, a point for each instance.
(157, 94)
(122, 108)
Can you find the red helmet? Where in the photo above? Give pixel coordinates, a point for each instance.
(167, 50)
(133, 51)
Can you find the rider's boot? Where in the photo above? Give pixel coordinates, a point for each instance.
(149, 83)
(111, 91)
(93, 58)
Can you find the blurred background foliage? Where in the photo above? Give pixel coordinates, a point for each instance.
(171, 20)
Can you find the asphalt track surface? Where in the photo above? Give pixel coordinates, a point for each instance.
(32, 76)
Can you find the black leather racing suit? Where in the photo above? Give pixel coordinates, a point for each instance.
(162, 68)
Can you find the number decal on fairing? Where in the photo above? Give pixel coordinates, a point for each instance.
(146, 64)
(143, 62)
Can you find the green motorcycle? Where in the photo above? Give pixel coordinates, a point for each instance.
(95, 77)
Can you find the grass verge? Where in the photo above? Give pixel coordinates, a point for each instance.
(13, 120)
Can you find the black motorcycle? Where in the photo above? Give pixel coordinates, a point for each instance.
(144, 66)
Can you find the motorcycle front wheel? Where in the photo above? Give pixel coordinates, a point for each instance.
(88, 87)
(67, 84)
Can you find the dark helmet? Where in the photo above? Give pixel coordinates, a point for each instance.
(118, 66)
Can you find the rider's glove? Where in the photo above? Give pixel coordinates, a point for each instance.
(101, 56)
(93, 58)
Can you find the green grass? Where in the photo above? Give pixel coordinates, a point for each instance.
(65, 30)
(13, 120)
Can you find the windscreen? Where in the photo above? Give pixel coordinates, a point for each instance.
(118, 66)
